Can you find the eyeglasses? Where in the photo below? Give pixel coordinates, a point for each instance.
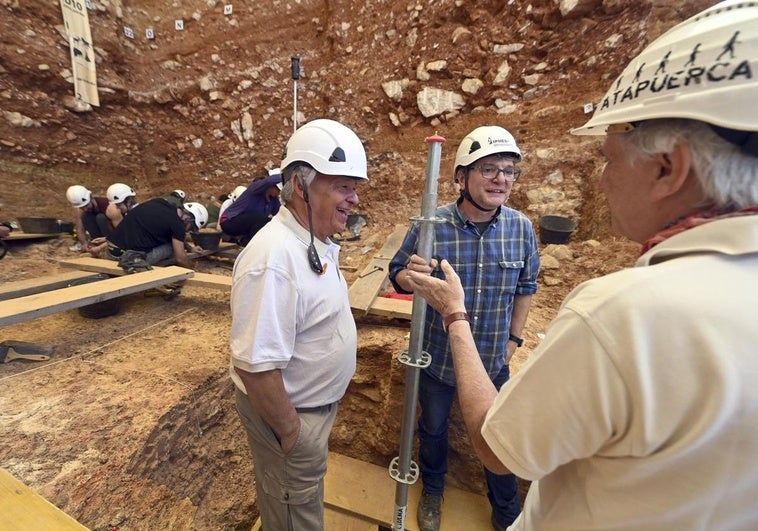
(491, 172)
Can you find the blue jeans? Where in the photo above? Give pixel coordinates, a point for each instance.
(436, 401)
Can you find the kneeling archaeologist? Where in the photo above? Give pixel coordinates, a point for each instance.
(158, 229)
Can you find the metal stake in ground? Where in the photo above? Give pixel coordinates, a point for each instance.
(295, 76)
(402, 468)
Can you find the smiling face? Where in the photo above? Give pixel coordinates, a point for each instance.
(489, 194)
(332, 197)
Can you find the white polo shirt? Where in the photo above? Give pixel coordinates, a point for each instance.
(285, 316)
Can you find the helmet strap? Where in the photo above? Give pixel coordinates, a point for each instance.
(313, 259)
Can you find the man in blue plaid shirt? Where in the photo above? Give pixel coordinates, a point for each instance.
(494, 250)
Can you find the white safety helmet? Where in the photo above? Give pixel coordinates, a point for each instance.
(276, 171)
(483, 142)
(78, 196)
(702, 69)
(199, 212)
(180, 194)
(329, 147)
(237, 192)
(118, 192)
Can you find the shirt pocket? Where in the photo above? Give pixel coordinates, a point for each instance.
(510, 271)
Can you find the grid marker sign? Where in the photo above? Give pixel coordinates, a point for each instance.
(82, 51)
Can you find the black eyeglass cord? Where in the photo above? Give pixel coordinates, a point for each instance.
(313, 259)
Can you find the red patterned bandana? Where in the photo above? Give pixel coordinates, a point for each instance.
(694, 220)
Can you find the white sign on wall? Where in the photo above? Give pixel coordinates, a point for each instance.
(76, 22)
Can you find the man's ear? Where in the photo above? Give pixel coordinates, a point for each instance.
(460, 177)
(675, 168)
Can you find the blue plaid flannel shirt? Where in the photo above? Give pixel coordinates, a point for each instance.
(494, 267)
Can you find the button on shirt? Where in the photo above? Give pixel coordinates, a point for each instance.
(494, 267)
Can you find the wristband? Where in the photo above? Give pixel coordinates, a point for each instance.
(455, 316)
(516, 339)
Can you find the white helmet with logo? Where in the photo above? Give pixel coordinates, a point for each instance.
(329, 147)
(705, 68)
(484, 141)
(78, 196)
(199, 212)
(237, 192)
(118, 192)
(180, 194)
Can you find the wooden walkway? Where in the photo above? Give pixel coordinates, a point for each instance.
(365, 289)
(109, 267)
(360, 496)
(20, 288)
(18, 235)
(22, 508)
(22, 309)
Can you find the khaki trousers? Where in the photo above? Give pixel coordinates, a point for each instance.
(290, 488)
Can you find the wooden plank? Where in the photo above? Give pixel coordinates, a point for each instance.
(208, 280)
(32, 306)
(367, 490)
(366, 287)
(22, 508)
(109, 267)
(95, 265)
(21, 288)
(392, 308)
(15, 235)
(223, 246)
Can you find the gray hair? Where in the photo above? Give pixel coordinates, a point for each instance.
(288, 186)
(728, 176)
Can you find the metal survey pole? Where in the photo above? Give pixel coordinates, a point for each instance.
(402, 468)
(295, 76)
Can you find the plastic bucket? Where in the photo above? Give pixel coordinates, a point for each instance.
(556, 229)
(207, 240)
(98, 310)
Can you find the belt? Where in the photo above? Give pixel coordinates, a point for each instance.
(116, 252)
(315, 409)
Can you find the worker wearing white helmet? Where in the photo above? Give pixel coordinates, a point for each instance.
(157, 229)
(293, 337)
(497, 247)
(122, 197)
(638, 409)
(226, 203)
(252, 207)
(175, 197)
(95, 216)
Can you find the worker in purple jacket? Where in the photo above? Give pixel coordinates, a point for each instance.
(252, 209)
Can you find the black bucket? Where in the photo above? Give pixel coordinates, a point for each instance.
(101, 309)
(39, 225)
(209, 241)
(556, 229)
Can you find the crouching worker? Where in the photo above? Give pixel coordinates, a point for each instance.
(158, 229)
(95, 216)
